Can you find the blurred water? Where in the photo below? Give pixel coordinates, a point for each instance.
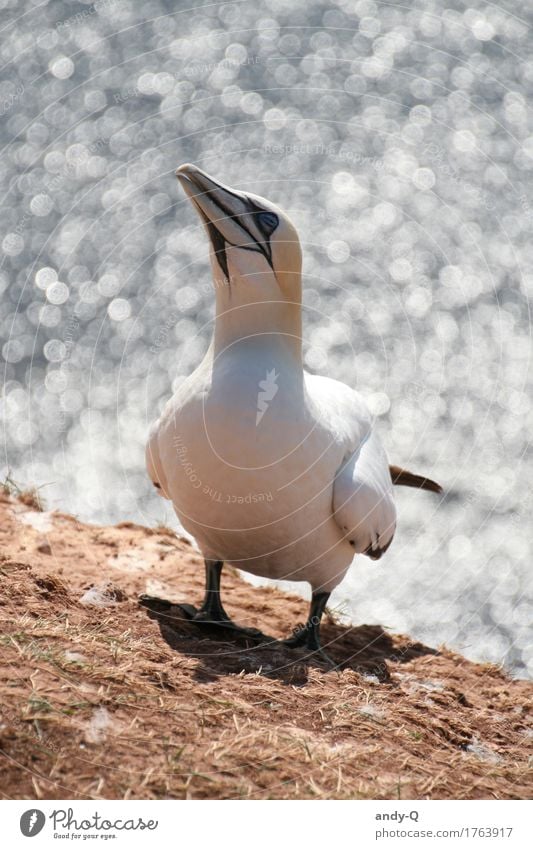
(400, 141)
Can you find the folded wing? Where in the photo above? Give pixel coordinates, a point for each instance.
(363, 501)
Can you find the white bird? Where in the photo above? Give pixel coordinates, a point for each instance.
(272, 470)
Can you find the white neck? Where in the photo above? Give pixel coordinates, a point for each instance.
(274, 322)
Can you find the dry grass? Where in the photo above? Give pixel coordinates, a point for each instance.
(109, 701)
(28, 496)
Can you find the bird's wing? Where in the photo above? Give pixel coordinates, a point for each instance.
(340, 410)
(363, 500)
(153, 462)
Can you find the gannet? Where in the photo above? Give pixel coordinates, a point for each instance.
(275, 471)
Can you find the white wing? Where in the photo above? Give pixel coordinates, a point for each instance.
(153, 461)
(363, 500)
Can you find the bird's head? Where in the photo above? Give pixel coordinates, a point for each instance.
(255, 250)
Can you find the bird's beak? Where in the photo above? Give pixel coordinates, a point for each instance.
(227, 214)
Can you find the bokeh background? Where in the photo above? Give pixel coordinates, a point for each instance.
(399, 139)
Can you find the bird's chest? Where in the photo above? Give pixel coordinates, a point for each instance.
(246, 453)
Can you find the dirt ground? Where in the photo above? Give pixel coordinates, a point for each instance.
(102, 698)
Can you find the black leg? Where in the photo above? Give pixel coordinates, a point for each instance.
(212, 612)
(308, 635)
(211, 608)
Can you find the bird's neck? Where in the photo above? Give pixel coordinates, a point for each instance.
(275, 322)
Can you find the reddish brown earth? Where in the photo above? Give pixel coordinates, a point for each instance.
(99, 699)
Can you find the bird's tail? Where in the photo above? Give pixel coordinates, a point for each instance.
(401, 477)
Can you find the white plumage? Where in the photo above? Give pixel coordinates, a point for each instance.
(292, 497)
(275, 471)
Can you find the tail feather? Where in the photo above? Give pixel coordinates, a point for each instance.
(401, 477)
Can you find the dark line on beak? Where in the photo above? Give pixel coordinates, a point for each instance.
(262, 247)
(218, 242)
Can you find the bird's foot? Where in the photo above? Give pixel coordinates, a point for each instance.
(209, 620)
(306, 638)
(317, 654)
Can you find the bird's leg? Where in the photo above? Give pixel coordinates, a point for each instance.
(212, 612)
(211, 608)
(308, 635)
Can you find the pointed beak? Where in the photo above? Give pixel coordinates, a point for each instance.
(229, 215)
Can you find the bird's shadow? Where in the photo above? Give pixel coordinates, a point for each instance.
(221, 651)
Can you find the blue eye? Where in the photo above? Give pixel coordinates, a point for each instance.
(267, 221)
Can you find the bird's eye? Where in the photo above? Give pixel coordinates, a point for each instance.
(267, 221)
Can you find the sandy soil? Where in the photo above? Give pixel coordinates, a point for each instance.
(103, 698)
